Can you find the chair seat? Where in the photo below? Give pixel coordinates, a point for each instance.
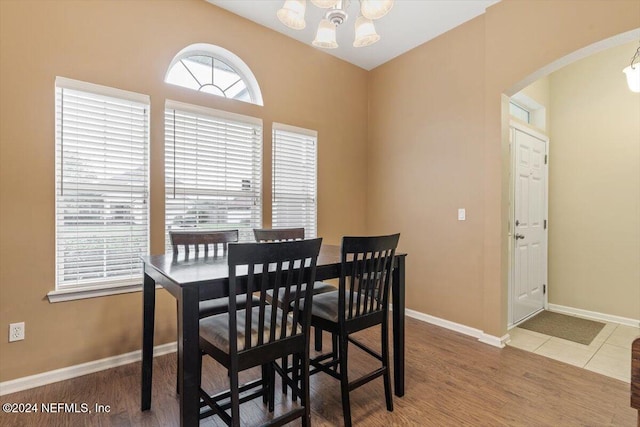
(325, 306)
(211, 307)
(215, 329)
(318, 288)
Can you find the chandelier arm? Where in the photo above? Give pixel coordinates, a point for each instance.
(636, 56)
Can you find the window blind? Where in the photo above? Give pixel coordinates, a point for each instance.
(294, 178)
(213, 170)
(102, 158)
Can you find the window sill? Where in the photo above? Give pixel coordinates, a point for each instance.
(93, 292)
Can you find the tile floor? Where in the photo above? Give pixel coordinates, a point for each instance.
(608, 354)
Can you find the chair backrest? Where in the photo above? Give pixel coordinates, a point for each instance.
(278, 234)
(288, 265)
(218, 239)
(365, 275)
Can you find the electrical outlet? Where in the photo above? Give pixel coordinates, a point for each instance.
(16, 331)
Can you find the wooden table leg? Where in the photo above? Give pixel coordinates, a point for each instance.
(398, 293)
(148, 316)
(189, 356)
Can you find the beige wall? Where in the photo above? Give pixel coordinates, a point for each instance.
(425, 158)
(594, 193)
(437, 135)
(129, 45)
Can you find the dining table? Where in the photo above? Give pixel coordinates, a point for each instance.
(193, 279)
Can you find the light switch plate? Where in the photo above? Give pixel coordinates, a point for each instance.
(462, 214)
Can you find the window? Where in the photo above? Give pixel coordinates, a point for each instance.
(102, 160)
(294, 178)
(212, 69)
(519, 112)
(213, 170)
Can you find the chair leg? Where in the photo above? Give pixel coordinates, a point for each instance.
(295, 378)
(272, 386)
(318, 339)
(305, 396)
(344, 380)
(266, 384)
(235, 396)
(388, 395)
(285, 367)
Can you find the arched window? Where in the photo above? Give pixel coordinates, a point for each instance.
(215, 70)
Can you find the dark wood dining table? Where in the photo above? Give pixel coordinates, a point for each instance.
(200, 278)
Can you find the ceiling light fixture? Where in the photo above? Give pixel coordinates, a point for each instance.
(633, 73)
(292, 15)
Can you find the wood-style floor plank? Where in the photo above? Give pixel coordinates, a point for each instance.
(452, 380)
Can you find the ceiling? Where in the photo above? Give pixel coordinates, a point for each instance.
(409, 24)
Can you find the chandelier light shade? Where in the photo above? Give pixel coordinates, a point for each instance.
(326, 35)
(375, 9)
(324, 4)
(633, 72)
(633, 77)
(365, 32)
(292, 14)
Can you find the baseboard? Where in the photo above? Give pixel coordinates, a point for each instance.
(499, 342)
(594, 315)
(457, 327)
(69, 372)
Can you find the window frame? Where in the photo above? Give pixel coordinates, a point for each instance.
(230, 59)
(518, 111)
(90, 289)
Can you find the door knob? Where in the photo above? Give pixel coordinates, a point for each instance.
(519, 236)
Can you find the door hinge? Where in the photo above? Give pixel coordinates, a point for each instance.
(545, 224)
(544, 289)
(545, 159)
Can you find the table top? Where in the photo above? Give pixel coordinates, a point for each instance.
(207, 269)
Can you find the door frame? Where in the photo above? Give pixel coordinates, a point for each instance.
(536, 133)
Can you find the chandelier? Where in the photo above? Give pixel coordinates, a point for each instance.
(292, 15)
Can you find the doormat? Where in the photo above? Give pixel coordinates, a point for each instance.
(570, 328)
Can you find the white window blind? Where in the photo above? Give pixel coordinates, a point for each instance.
(102, 158)
(213, 170)
(294, 178)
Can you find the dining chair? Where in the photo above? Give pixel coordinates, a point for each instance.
(184, 239)
(248, 337)
(361, 302)
(281, 235)
(287, 234)
(181, 241)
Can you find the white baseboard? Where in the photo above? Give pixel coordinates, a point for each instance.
(594, 315)
(69, 372)
(499, 342)
(457, 327)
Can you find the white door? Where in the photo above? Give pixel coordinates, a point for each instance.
(529, 224)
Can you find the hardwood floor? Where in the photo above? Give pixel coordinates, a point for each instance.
(452, 380)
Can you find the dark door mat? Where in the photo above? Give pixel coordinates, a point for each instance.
(570, 328)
